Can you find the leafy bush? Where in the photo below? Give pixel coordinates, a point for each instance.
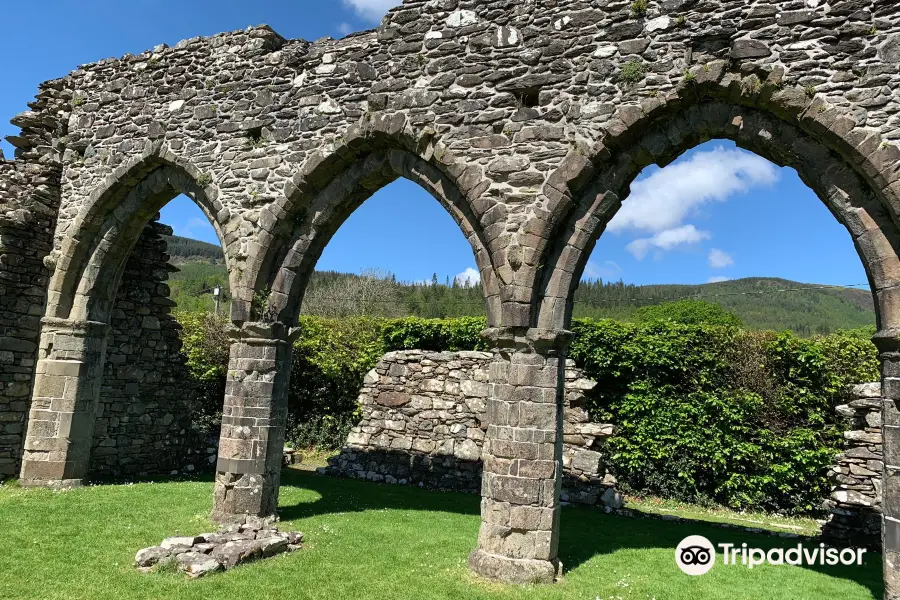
(705, 413)
(435, 334)
(717, 414)
(688, 312)
(206, 346)
(330, 360)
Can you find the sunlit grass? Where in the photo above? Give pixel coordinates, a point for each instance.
(366, 541)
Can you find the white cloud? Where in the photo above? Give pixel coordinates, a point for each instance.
(372, 10)
(345, 28)
(470, 276)
(719, 259)
(666, 198)
(718, 279)
(666, 240)
(607, 270)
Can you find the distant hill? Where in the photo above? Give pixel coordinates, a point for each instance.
(760, 302)
(183, 249)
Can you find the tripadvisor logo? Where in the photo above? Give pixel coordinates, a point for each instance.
(696, 555)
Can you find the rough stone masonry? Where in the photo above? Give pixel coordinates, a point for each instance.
(526, 119)
(423, 423)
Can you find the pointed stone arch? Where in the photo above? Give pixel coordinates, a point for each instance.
(333, 184)
(98, 241)
(850, 169)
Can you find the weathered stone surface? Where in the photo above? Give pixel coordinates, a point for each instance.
(435, 435)
(856, 499)
(237, 543)
(198, 564)
(517, 119)
(743, 49)
(148, 557)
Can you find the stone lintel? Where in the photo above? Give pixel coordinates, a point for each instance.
(241, 466)
(263, 334)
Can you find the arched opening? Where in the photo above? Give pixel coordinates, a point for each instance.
(723, 225)
(858, 208)
(384, 233)
(112, 392)
(833, 179)
(399, 254)
(314, 217)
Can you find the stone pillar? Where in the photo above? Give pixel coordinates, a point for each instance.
(67, 382)
(248, 470)
(888, 343)
(522, 455)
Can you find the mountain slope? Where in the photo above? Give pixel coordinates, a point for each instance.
(760, 302)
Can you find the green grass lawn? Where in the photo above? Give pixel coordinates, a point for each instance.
(367, 541)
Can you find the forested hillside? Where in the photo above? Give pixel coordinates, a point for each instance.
(183, 249)
(760, 303)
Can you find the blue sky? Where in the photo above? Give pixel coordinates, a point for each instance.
(716, 213)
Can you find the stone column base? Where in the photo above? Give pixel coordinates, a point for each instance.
(514, 570)
(52, 484)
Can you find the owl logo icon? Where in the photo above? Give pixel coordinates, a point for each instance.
(695, 555)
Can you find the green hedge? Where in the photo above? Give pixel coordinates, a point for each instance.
(719, 414)
(704, 413)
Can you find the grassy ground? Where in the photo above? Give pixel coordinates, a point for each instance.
(367, 541)
(672, 508)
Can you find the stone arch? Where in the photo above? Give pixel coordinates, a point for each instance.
(333, 185)
(98, 241)
(849, 168)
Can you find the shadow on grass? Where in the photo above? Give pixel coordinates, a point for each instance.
(585, 532)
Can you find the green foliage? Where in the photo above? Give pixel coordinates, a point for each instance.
(633, 71)
(191, 287)
(704, 413)
(435, 334)
(639, 8)
(688, 312)
(716, 414)
(760, 303)
(330, 360)
(205, 343)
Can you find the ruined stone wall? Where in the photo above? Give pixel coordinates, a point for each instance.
(29, 201)
(143, 419)
(25, 238)
(511, 101)
(423, 422)
(855, 504)
(142, 424)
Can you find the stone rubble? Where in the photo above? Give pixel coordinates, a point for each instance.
(234, 544)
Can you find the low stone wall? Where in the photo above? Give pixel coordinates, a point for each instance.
(423, 423)
(856, 499)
